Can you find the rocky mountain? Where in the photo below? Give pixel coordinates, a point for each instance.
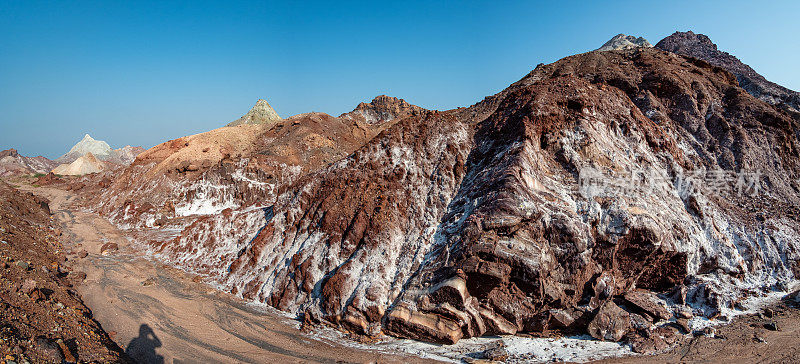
(608, 193)
(85, 164)
(381, 109)
(623, 41)
(701, 47)
(100, 150)
(12, 163)
(204, 174)
(261, 113)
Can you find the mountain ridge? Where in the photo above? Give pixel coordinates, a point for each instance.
(701, 47)
(522, 213)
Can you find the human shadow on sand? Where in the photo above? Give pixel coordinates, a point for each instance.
(142, 349)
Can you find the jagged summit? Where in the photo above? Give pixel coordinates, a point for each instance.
(382, 109)
(624, 41)
(261, 113)
(9, 152)
(98, 148)
(701, 47)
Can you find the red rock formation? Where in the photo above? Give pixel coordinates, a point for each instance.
(539, 209)
(701, 47)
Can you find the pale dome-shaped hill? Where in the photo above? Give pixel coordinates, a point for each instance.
(85, 164)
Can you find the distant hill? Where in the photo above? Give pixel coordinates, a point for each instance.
(99, 151)
(85, 164)
(12, 163)
(261, 113)
(623, 41)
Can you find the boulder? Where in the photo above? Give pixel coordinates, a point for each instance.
(649, 303)
(108, 248)
(404, 322)
(611, 323)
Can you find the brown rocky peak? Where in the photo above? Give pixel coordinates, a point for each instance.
(261, 113)
(701, 47)
(9, 152)
(382, 109)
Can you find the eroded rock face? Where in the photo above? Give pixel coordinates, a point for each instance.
(382, 109)
(556, 205)
(701, 47)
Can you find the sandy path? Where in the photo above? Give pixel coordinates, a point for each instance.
(159, 312)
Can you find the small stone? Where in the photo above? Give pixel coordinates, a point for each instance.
(710, 331)
(496, 354)
(496, 351)
(23, 265)
(108, 248)
(683, 324)
(50, 350)
(68, 357)
(83, 254)
(772, 326)
(78, 276)
(685, 312)
(28, 286)
(768, 312)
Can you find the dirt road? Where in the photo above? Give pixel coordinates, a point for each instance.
(160, 315)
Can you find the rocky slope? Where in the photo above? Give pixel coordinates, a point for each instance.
(232, 167)
(126, 155)
(623, 41)
(12, 163)
(42, 318)
(607, 193)
(261, 113)
(701, 47)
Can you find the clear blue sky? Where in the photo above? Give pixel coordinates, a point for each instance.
(137, 72)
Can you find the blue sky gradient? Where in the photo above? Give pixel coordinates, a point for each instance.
(141, 73)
